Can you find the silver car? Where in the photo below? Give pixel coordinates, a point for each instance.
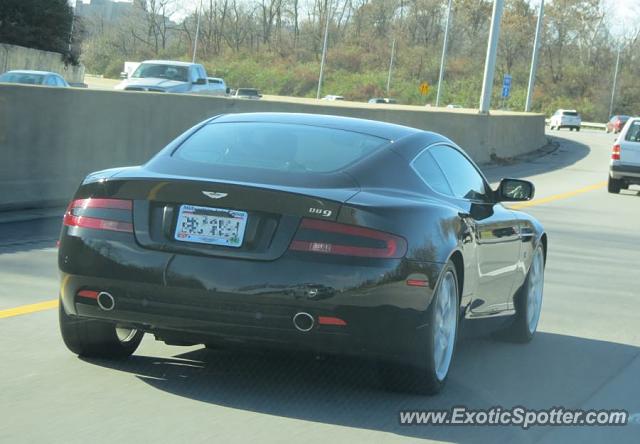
(247, 93)
(28, 77)
(624, 169)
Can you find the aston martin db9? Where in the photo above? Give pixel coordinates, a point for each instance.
(311, 233)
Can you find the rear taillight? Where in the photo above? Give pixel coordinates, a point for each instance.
(318, 236)
(100, 214)
(615, 152)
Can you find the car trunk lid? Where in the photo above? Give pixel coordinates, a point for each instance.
(630, 144)
(630, 152)
(272, 212)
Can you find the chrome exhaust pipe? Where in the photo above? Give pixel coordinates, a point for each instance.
(303, 321)
(106, 301)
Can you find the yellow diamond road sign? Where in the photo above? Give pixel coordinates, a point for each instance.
(424, 88)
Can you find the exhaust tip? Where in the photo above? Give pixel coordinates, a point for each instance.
(106, 301)
(303, 321)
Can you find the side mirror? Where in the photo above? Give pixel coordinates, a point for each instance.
(201, 82)
(123, 75)
(515, 190)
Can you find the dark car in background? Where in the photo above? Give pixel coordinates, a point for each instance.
(30, 77)
(302, 232)
(615, 124)
(247, 93)
(386, 100)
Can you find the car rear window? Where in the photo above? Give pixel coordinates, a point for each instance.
(162, 71)
(569, 113)
(633, 133)
(276, 146)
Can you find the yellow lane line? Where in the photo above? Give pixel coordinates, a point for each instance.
(26, 309)
(560, 196)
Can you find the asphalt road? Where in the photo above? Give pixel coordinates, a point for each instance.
(585, 355)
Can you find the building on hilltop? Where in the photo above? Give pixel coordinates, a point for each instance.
(107, 10)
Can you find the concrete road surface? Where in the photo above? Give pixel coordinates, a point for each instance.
(585, 355)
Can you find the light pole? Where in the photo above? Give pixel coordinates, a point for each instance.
(490, 62)
(393, 52)
(324, 48)
(195, 43)
(73, 19)
(444, 52)
(534, 59)
(615, 81)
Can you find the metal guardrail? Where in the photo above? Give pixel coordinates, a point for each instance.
(592, 125)
(602, 126)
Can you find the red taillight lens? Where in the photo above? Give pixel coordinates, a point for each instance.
(318, 236)
(615, 152)
(76, 217)
(331, 320)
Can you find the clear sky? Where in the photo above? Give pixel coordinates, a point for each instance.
(625, 13)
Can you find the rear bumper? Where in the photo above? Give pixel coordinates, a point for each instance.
(195, 299)
(624, 171)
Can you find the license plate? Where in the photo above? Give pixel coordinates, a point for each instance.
(213, 226)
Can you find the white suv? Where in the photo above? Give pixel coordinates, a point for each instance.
(565, 118)
(624, 169)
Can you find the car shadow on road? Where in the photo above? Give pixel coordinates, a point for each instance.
(560, 153)
(21, 236)
(630, 192)
(553, 370)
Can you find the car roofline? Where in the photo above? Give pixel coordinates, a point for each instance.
(383, 130)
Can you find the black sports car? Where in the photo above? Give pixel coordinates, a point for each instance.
(306, 232)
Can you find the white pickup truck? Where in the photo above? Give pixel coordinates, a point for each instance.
(167, 76)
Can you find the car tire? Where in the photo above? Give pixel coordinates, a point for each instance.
(528, 302)
(97, 339)
(429, 375)
(614, 185)
(578, 129)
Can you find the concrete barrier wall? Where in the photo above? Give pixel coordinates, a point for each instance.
(19, 57)
(51, 138)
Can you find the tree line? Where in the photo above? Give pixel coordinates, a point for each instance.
(276, 45)
(40, 24)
